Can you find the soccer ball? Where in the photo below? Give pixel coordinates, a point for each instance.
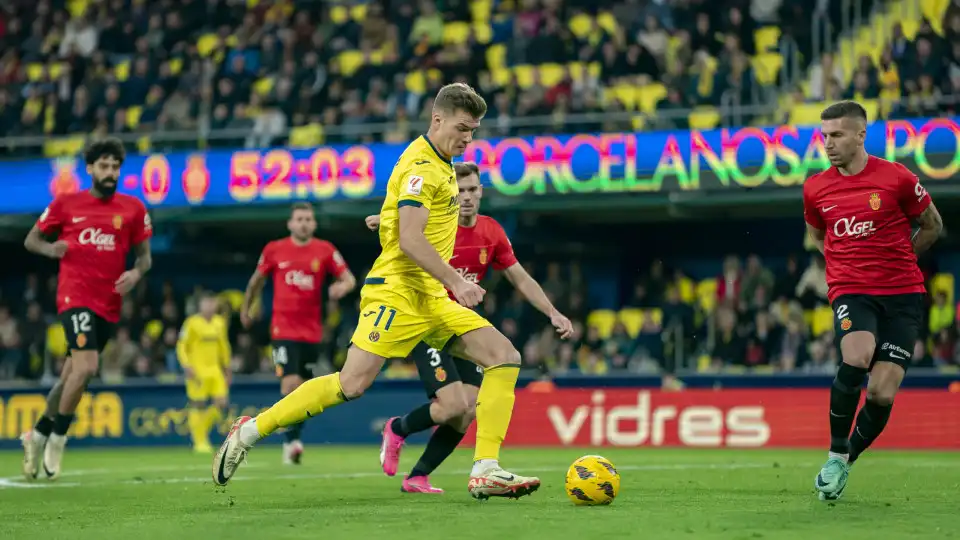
(592, 480)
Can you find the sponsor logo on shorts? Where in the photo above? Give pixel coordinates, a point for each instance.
(895, 352)
(374, 336)
(875, 201)
(81, 340)
(440, 374)
(845, 324)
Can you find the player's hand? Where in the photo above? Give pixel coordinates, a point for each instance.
(468, 294)
(127, 281)
(188, 373)
(246, 320)
(57, 250)
(338, 290)
(562, 324)
(372, 222)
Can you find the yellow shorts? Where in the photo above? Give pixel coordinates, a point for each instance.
(206, 387)
(394, 319)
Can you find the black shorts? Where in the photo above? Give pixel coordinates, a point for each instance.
(85, 330)
(438, 369)
(295, 358)
(894, 321)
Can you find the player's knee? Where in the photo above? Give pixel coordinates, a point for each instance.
(882, 395)
(451, 411)
(85, 369)
(506, 355)
(353, 386)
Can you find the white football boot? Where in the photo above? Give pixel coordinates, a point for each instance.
(33, 444)
(53, 455)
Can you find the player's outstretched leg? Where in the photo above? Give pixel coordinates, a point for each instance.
(490, 349)
(35, 441)
(310, 399)
(884, 382)
(857, 350)
(83, 367)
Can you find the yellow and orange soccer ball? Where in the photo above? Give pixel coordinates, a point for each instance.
(592, 480)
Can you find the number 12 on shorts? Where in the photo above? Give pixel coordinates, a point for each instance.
(390, 312)
(81, 322)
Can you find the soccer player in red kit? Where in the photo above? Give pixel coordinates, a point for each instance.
(95, 229)
(452, 384)
(299, 266)
(859, 212)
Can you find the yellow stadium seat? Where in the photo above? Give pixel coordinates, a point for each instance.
(704, 363)
(233, 298)
(501, 76)
(176, 66)
(808, 318)
(133, 117)
(358, 12)
(766, 38)
(55, 70)
(551, 74)
(480, 10)
(943, 282)
(306, 136)
(934, 11)
(626, 94)
(56, 340)
(766, 67)
(603, 320)
(416, 82)
(456, 32)
(154, 328)
(580, 25)
(376, 57)
(496, 56)
(350, 62)
(482, 32)
(649, 95)
(822, 321)
(263, 86)
(707, 294)
(638, 122)
(122, 71)
(594, 69)
(687, 290)
(206, 44)
(64, 146)
(577, 70)
(704, 118)
(144, 144)
(632, 319)
(608, 22)
(806, 114)
(524, 75)
(762, 370)
(35, 72)
(655, 315)
(339, 15)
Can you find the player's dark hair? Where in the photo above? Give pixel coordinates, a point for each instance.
(460, 97)
(109, 147)
(465, 169)
(301, 206)
(844, 109)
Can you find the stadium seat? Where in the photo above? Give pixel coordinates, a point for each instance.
(36, 72)
(654, 315)
(822, 321)
(144, 144)
(524, 74)
(496, 56)
(608, 22)
(176, 66)
(358, 12)
(482, 32)
(456, 32)
(133, 117)
(339, 15)
(873, 109)
(806, 114)
(707, 294)
(626, 94)
(704, 118)
(649, 95)
(206, 44)
(55, 70)
(766, 67)
(767, 39)
(56, 340)
(306, 136)
(64, 146)
(501, 76)
(480, 10)
(632, 319)
(350, 62)
(943, 282)
(603, 320)
(687, 290)
(122, 71)
(551, 74)
(233, 298)
(638, 122)
(580, 25)
(808, 318)
(763, 370)
(416, 82)
(263, 86)
(77, 8)
(934, 11)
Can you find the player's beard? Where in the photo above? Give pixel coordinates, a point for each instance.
(106, 186)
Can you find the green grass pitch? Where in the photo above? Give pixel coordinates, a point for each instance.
(340, 493)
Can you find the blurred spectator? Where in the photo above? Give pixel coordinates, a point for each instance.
(119, 355)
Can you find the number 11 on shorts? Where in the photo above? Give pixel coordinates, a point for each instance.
(391, 314)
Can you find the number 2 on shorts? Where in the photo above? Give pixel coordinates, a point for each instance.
(392, 314)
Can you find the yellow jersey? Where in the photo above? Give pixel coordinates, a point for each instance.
(203, 345)
(421, 177)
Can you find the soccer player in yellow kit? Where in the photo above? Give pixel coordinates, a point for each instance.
(204, 353)
(404, 301)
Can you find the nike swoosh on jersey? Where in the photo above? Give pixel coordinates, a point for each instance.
(283, 265)
(829, 208)
(79, 219)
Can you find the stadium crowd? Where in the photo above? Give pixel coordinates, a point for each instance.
(748, 316)
(305, 72)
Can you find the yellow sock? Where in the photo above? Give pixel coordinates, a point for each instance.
(494, 409)
(309, 399)
(196, 419)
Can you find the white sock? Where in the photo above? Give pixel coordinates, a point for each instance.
(249, 434)
(57, 439)
(482, 465)
(844, 457)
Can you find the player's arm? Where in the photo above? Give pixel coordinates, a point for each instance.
(225, 353)
(816, 227)
(184, 344)
(533, 292)
(818, 236)
(413, 244)
(51, 220)
(345, 280)
(255, 284)
(931, 224)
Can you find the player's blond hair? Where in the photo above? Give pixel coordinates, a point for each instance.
(460, 97)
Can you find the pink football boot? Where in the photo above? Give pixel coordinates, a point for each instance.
(419, 484)
(390, 449)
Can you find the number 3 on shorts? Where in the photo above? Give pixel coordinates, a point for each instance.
(390, 312)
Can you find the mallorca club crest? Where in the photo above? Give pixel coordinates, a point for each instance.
(117, 221)
(875, 201)
(483, 255)
(315, 265)
(440, 374)
(845, 324)
(65, 179)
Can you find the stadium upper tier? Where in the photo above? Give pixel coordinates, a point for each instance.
(195, 73)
